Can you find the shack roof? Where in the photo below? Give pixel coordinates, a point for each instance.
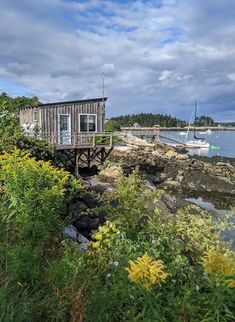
(87, 100)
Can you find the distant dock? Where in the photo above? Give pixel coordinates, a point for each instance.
(161, 128)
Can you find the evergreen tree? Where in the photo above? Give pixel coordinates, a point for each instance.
(148, 120)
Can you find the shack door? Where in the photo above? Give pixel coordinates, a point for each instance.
(64, 129)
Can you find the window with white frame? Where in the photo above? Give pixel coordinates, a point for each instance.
(88, 122)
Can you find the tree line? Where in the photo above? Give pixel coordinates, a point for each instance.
(150, 119)
(14, 103)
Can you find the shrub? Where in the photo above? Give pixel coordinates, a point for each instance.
(112, 126)
(36, 266)
(125, 285)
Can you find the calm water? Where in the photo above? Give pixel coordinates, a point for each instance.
(222, 143)
(228, 235)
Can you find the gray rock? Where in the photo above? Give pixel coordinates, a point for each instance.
(83, 241)
(71, 232)
(172, 184)
(179, 178)
(182, 157)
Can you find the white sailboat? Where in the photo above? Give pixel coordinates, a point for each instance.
(196, 142)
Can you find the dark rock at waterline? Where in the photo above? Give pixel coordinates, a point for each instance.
(85, 213)
(77, 208)
(90, 199)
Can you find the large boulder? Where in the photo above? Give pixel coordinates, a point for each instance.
(110, 174)
(171, 154)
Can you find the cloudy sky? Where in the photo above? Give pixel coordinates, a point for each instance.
(157, 55)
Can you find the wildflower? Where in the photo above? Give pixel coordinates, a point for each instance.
(219, 263)
(230, 283)
(197, 288)
(108, 275)
(147, 272)
(116, 264)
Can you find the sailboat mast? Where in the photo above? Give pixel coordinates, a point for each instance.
(195, 117)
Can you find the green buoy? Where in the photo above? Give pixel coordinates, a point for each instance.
(213, 147)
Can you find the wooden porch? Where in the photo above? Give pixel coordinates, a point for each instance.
(78, 141)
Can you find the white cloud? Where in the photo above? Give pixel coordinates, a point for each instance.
(155, 58)
(166, 74)
(231, 76)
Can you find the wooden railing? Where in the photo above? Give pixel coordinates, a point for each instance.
(74, 140)
(90, 140)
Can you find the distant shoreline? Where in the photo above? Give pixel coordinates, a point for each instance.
(199, 128)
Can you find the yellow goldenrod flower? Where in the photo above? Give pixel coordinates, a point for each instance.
(230, 283)
(220, 263)
(147, 272)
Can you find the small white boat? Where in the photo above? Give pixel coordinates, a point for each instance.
(200, 143)
(182, 133)
(196, 142)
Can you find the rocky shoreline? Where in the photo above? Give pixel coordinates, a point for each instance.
(172, 167)
(162, 167)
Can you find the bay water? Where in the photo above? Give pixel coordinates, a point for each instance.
(222, 143)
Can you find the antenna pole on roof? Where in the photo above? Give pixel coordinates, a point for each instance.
(103, 88)
(103, 104)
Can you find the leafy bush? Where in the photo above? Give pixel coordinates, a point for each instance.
(36, 265)
(11, 134)
(156, 267)
(112, 126)
(141, 265)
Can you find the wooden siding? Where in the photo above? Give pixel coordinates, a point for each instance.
(27, 116)
(49, 115)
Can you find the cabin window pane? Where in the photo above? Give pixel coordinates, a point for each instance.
(64, 123)
(83, 123)
(88, 123)
(92, 123)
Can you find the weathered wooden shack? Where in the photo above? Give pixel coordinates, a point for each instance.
(63, 122)
(75, 125)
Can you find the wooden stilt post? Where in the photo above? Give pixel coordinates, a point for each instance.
(76, 162)
(102, 155)
(89, 158)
